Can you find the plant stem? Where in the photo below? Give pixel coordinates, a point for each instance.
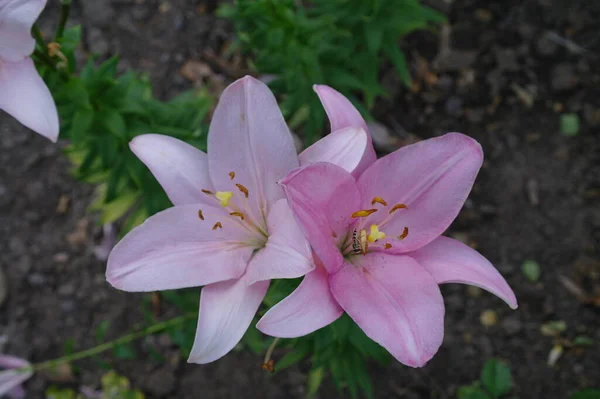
(109, 345)
(39, 38)
(45, 58)
(65, 9)
(270, 350)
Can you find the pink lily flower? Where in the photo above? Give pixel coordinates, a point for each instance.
(23, 93)
(10, 378)
(231, 229)
(379, 249)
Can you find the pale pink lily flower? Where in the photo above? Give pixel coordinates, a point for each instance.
(231, 229)
(379, 249)
(11, 378)
(23, 93)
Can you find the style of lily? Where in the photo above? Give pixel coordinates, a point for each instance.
(11, 378)
(23, 93)
(379, 249)
(230, 229)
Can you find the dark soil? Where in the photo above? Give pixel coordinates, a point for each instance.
(536, 198)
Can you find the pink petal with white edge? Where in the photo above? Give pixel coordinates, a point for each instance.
(248, 136)
(24, 95)
(395, 302)
(226, 311)
(322, 197)
(451, 261)
(16, 19)
(287, 253)
(10, 380)
(310, 307)
(432, 177)
(181, 169)
(176, 249)
(342, 114)
(344, 148)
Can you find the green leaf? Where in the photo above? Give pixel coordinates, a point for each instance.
(471, 392)
(80, 125)
(496, 377)
(113, 121)
(113, 210)
(77, 93)
(586, 394)
(399, 61)
(582, 340)
(315, 378)
(373, 36)
(569, 124)
(101, 330)
(124, 352)
(297, 353)
(531, 270)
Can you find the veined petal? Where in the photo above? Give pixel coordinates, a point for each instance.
(11, 379)
(181, 169)
(395, 302)
(287, 253)
(24, 95)
(310, 307)
(344, 148)
(176, 249)
(322, 197)
(451, 261)
(16, 19)
(342, 114)
(248, 136)
(226, 310)
(432, 177)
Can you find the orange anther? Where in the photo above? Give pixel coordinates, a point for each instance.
(378, 200)
(207, 192)
(242, 189)
(200, 215)
(404, 234)
(217, 225)
(388, 246)
(398, 206)
(363, 213)
(231, 175)
(238, 214)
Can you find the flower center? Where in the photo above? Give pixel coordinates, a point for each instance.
(240, 211)
(365, 240)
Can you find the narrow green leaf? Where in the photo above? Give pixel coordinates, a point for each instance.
(113, 210)
(399, 61)
(315, 378)
(531, 270)
(80, 125)
(113, 121)
(124, 352)
(471, 392)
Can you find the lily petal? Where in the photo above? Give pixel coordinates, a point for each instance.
(287, 253)
(451, 261)
(181, 169)
(176, 249)
(226, 310)
(16, 19)
(322, 197)
(24, 95)
(432, 177)
(310, 307)
(12, 379)
(248, 136)
(395, 302)
(342, 114)
(344, 148)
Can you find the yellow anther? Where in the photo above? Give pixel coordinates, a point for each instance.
(200, 214)
(238, 214)
(398, 206)
(231, 175)
(217, 225)
(388, 246)
(207, 192)
(224, 197)
(243, 189)
(404, 234)
(378, 200)
(363, 213)
(375, 233)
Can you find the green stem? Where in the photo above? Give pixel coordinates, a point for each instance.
(45, 58)
(65, 9)
(39, 38)
(109, 345)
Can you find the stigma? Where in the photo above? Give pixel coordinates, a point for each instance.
(375, 234)
(224, 197)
